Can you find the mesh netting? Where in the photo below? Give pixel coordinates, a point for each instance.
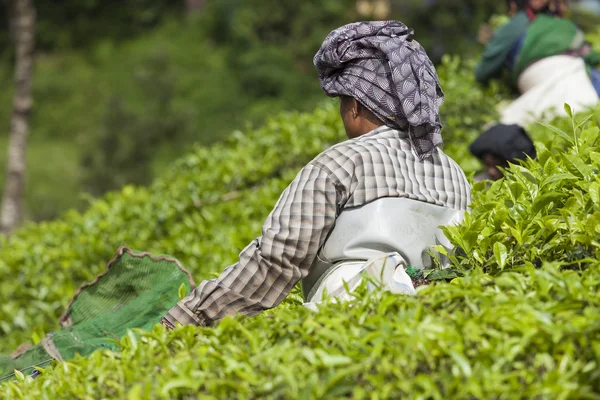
(136, 291)
(36, 356)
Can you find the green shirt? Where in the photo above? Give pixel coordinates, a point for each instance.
(546, 36)
(549, 36)
(499, 47)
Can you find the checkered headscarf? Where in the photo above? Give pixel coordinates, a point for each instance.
(381, 66)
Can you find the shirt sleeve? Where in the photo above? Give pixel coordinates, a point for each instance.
(499, 47)
(270, 266)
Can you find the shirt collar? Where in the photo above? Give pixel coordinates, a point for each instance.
(383, 130)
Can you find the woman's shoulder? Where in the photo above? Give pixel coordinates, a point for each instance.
(344, 153)
(384, 146)
(514, 27)
(552, 21)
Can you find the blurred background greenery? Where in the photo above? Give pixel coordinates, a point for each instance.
(122, 87)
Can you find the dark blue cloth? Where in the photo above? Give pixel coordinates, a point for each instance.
(595, 77)
(511, 60)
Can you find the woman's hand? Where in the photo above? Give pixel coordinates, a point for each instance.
(485, 34)
(167, 324)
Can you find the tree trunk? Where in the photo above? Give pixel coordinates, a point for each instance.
(23, 23)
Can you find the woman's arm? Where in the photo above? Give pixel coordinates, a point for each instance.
(270, 266)
(499, 47)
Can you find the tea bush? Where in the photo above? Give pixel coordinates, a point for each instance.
(521, 322)
(530, 335)
(547, 209)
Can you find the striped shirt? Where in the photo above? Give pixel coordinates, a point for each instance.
(379, 164)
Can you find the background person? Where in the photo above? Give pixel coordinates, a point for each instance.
(547, 58)
(498, 146)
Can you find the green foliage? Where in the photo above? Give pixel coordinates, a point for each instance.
(124, 112)
(80, 24)
(271, 43)
(587, 20)
(505, 328)
(446, 26)
(59, 169)
(520, 335)
(543, 210)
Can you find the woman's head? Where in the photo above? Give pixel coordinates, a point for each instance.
(556, 7)
(357, 118)
(501, 144)
(384, 71)
(515, 5)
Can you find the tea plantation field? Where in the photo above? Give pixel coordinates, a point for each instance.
(521, 321)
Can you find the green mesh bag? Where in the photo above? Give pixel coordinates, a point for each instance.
(136, 291)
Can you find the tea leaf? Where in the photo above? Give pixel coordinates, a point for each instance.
(568, 110)
(181, 383)
(559, 132)
(500, 254)
(594, 191)
(545, 199)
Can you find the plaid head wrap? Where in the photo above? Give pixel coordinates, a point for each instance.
(381, 66)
